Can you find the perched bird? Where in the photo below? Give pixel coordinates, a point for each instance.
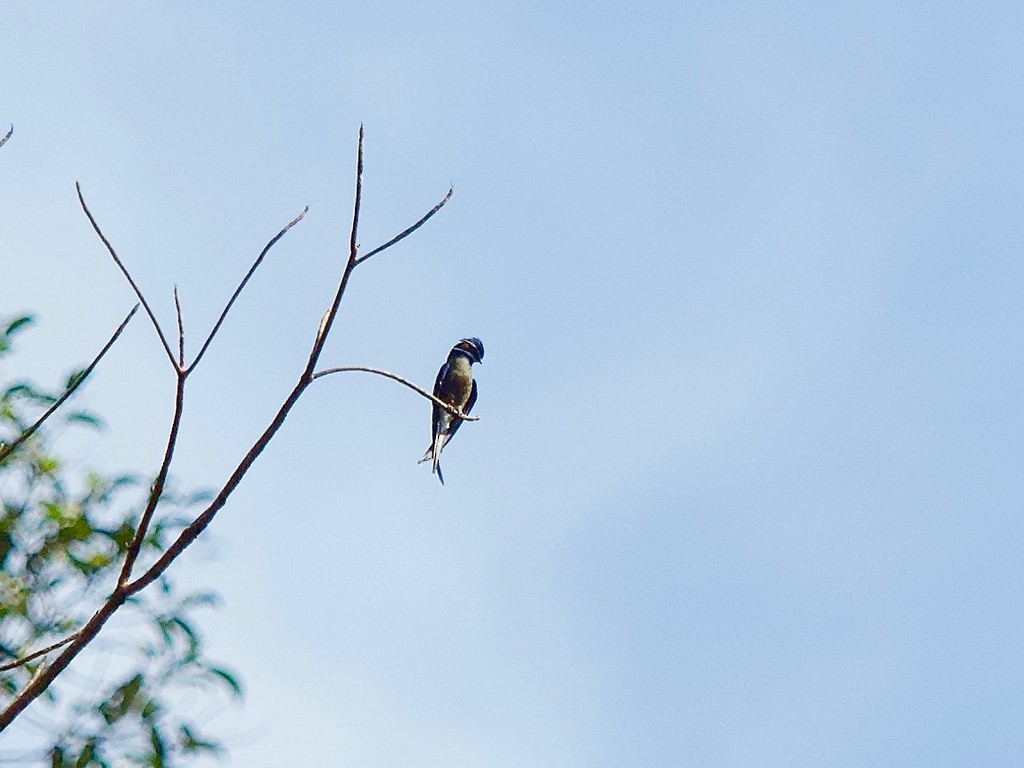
(454, 385)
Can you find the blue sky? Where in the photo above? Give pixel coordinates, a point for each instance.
(746, 488)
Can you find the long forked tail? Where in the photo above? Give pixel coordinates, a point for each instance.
(433, 454)
(439, 443)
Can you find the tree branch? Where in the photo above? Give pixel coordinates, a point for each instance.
(181, 330)
(157, 488)
(7, 450)
(124, 271)
(241, 285)
(328, 319)
(46, 675)
(447, 406)
(7, 135)
(410, 230)
(36, 654)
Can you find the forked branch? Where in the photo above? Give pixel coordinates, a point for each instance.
(36, 654)
(126, 273)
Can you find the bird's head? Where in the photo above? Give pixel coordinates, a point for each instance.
(473, 348)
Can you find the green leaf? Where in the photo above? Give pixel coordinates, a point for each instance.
(228, 679)
(22, 389)
(19, 324)
(190, 742)
(123, 536)
(164, 625)
(200, 598)
(75, 529)
(48, 465)
(84, 417)
(87, 754)
(74, 378)
(120, 701)
(190, 635)
(152, 708)
(95, 562)
(157, 742)
(199, 497)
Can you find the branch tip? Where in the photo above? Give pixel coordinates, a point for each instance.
(409, 230)
(255, 265)
(126, 273)
(181, 329)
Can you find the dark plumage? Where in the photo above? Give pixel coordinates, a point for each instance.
(454, 385)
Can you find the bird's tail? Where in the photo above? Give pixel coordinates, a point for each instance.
(439, 443)
(433, 454)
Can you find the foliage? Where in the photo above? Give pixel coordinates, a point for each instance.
(64, 534)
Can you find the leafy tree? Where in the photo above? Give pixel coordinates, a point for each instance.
(64, 533)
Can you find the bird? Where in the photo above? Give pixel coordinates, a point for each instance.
(454, 385)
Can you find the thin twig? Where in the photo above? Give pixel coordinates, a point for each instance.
(7, 135)
(352, 244)
(36, 654)
(410, 230)
(327, 322)
(181, 330)
(447, 406)
(241, 285)
(6, 450)
(124, 271)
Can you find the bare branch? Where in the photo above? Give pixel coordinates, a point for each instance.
(352, 244)
(241, 285)
(322, 329)
(157, 489)
(192, 532)
(181, 330)
(6, 450)
(447, 406)
(410, 230)
(328, 320)
(36, 654)
(7, 135)
(124, 271)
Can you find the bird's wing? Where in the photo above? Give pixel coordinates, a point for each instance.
(456, 423)
(435, 414)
